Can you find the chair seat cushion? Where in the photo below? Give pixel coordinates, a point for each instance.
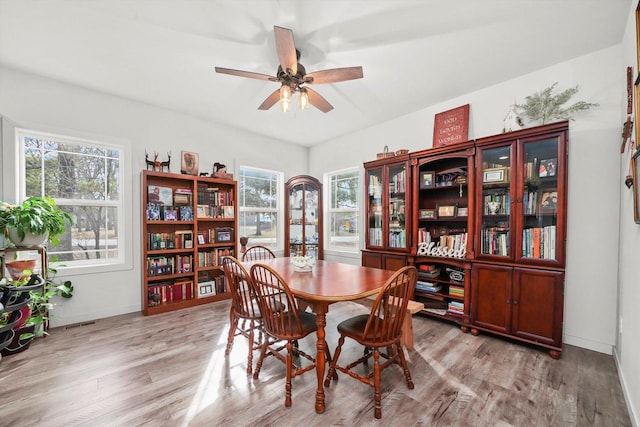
(354, 327)
(308, 322)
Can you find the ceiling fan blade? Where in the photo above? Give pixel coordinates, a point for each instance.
(286, 49)
(270, 101)
(334, 75)
(318, 101)
(248, 74)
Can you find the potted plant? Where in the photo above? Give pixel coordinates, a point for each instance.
(36, 216)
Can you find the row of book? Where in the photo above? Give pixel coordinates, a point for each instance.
(168, 292)
(539, 242)
(398, 239)
(163, 265)
(501, 202)
(495, 241)
(213, 258)
(428, 286)
(181, 239)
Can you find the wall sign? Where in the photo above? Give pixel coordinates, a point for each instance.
(451, 127)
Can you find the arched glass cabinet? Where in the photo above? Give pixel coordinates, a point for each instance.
(303, 230)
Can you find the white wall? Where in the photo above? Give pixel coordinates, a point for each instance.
(627, 351)
(43, 104)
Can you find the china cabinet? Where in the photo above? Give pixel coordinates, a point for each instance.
(303, 217)
(388, 218)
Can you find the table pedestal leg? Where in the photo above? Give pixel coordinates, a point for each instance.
(321, 321)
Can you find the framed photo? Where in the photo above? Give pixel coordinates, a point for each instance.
(427, 179)
(463, 212)
(186, 213)
(495, 175)
(153, 211)
(636, 186)
(549, 201)
(547, 167)
(224, 234)
(170, 214)
(203, 211)
(446, 211)
(160, 195)
(201, 240)
(427, 213)
(189, 165)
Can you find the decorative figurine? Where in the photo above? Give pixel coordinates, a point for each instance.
(155, 164)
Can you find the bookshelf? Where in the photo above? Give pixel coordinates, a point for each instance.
(188, 224)
(442, 185)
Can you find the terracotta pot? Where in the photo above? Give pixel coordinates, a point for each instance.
(16, 268)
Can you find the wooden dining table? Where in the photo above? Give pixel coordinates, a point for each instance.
(326, 283)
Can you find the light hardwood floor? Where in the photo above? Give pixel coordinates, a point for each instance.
(170, 370)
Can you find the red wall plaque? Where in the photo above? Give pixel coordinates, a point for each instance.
(451, 127)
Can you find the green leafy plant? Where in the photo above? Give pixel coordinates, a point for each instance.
(544, 106)
(37, 215)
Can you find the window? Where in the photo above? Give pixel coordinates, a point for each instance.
(344, 227)
(260, 200)
(84, 178)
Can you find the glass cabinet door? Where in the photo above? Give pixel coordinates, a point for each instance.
(540, 206)
(397, 206)
(304, 214)
(374, 210)
(495, 202)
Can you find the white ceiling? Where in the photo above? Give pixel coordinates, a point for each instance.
(414, 53)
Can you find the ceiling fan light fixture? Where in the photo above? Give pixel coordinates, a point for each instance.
(284, 106)
(285, 93)
(303, 99)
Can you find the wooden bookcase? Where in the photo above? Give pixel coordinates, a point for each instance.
(517, 283)
(388, 219)
(442, 184)
(486, 229)
(188, 224)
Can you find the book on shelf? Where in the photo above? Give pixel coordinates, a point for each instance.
(455, 307)
(428, 287)
(429, 274)
(456, 290)
(428, 268)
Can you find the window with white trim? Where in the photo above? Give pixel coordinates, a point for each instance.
(260, 198)
(85, 179)
(343, 223)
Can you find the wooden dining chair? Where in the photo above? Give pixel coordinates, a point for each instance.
(258, 252)
(380, 329)
(244, 308)
(283, 323)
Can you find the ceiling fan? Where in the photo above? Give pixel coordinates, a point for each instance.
(293, 77)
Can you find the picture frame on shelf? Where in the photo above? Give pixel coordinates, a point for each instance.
(549, 201)
(463, 212)
(189, 165)
(170, 214)
(160, 195)
(446, 211)
(201, 240)
(495, 175)
(427, 213)
(203, 211)
(547, 167)
(153, 211)
(427, 179)
(186, 213)
(224, 235)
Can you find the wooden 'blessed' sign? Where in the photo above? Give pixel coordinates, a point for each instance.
(451, 126)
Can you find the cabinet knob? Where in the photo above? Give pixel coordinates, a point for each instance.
(508, 301)
(515, 302)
